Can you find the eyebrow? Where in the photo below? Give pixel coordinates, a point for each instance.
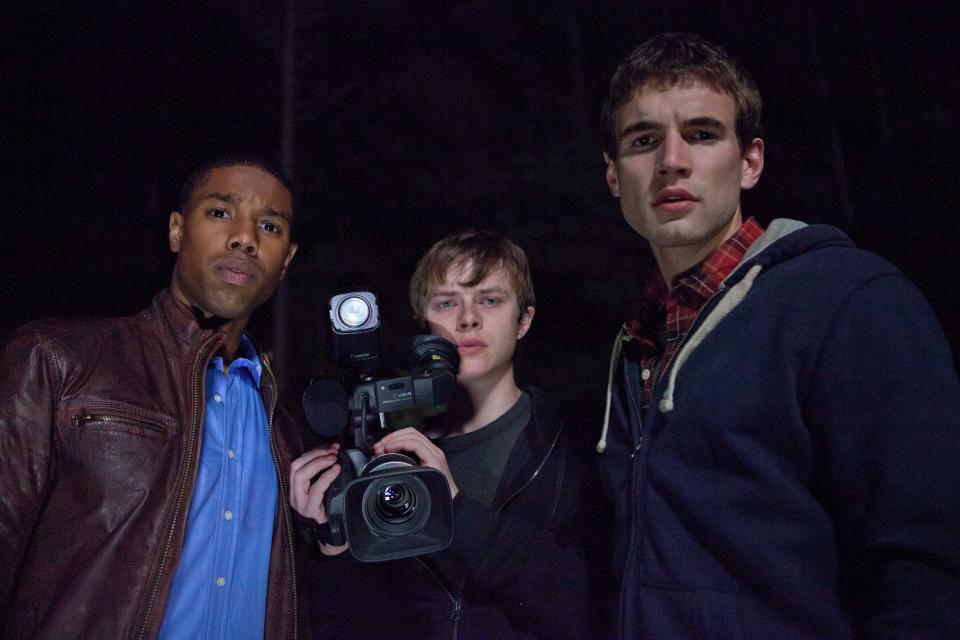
(648, 125)
(236, 198)
(440, 293)
(494, 290)
(705, 121)
(639, 125)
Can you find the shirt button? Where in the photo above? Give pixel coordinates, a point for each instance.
(231, 454)
(645, 374)
(221, 581)
(217, 397)
(228, 514)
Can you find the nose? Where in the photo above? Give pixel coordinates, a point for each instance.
(243, 237)
(674, 155)
(469, 318)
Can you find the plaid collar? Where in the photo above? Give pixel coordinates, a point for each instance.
(691, 290)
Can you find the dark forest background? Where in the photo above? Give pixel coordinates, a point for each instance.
(403, 121)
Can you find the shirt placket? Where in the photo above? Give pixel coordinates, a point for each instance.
(228, 498)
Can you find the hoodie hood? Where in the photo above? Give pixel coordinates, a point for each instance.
(782, 240)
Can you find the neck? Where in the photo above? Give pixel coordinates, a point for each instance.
(675, 260)
(231, 341)
(232, 330)
(477, 403)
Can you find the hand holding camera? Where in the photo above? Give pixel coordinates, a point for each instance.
(372, 497)
(429, 454)
(310, 476)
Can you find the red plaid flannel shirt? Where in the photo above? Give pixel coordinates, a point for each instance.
(661, 319)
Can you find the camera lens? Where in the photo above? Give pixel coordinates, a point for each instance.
(433, 352)
(396, 503)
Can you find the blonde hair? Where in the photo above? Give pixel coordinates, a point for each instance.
(486, 251)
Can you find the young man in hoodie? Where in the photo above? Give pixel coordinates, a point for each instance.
(781, 442)
(525, 498)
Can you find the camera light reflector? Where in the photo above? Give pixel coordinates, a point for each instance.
(354, 312)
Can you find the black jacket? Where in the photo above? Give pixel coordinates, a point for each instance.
(531, 567)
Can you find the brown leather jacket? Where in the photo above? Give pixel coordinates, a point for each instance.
(100, 429)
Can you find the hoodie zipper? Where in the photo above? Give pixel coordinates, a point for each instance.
(536, 471)
(632, 397)
(284, 502)
(181, 482)
(457, 601)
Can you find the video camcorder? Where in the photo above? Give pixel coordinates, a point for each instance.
(384, 507)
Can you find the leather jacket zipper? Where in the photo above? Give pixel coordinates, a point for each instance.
(192, 446)
(85, 417)
(284, 502)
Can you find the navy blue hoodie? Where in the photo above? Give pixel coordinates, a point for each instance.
(798, 474)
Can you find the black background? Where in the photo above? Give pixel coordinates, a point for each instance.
(414, 119)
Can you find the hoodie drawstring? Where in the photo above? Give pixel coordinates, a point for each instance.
(734, 297)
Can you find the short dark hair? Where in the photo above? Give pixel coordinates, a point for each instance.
(231, 159)
(668, 59)
(486, 251)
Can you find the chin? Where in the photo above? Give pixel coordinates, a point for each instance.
(229, 309)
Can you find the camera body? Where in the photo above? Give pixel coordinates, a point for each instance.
(387, 507)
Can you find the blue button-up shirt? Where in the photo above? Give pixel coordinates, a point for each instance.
(220, 586)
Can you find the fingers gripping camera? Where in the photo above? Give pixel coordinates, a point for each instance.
(383, 507)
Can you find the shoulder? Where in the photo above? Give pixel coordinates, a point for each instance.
(819, 265)
(66, 341)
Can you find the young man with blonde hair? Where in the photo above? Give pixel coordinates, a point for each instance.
(525, 502)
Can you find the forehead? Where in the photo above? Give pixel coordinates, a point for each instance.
(244, 183)
(459, 273)
(685, 100)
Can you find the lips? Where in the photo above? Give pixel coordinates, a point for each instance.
(236, 270)
(674, 199)
(471, 346)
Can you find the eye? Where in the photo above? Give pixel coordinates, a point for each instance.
(271, 227)
(643, 141)
(702, 136)
(491, 302)
(218, 212)
(444, 304)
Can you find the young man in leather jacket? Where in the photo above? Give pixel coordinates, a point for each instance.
(525, 561)
(141, 491)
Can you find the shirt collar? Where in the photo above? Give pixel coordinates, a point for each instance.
(247, 359)
(694, 285)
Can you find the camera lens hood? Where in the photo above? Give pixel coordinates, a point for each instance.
(387, 462)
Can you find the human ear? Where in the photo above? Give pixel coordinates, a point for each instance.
(526, 319)
(752, 164)
(291, 251)
(175, 232)
(612, 182)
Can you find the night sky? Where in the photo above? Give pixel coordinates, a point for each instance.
(414, 119)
